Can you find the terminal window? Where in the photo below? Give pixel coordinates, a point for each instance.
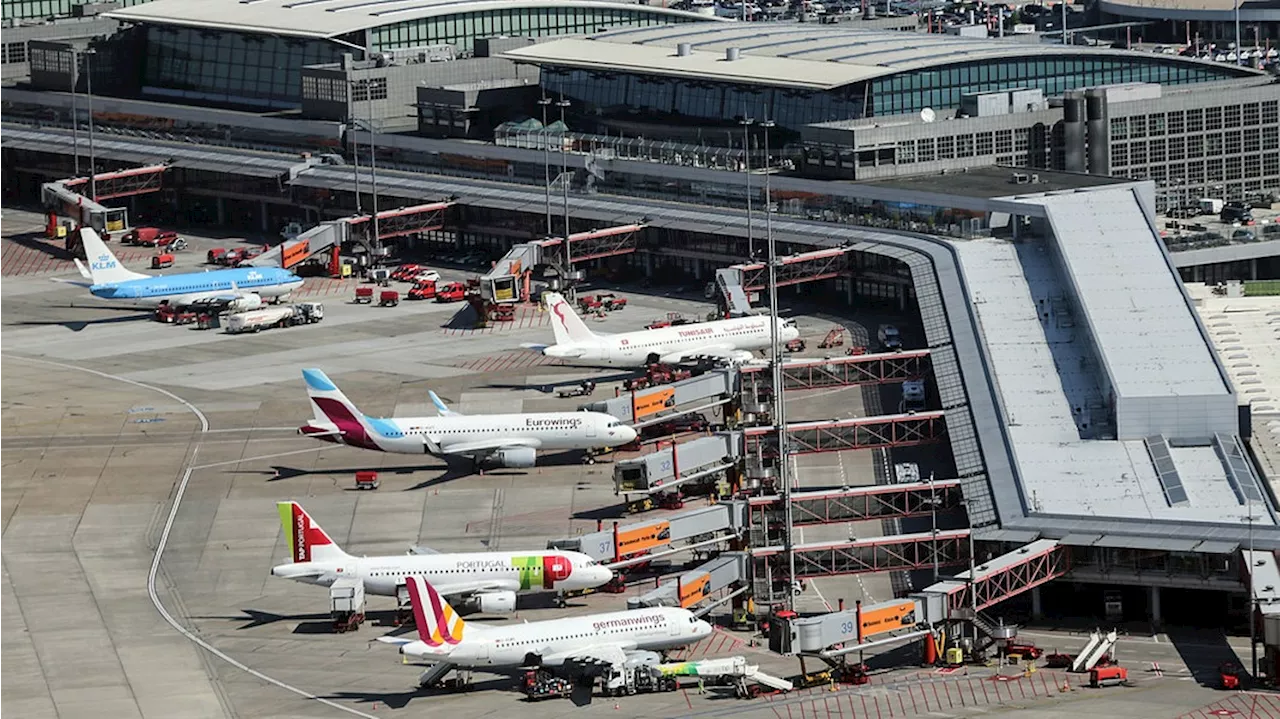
(15, 52)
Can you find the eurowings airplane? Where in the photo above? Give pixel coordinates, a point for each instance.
(239, 289)
(487, 581)
(507, 440)
(607, 640)
(724, 339)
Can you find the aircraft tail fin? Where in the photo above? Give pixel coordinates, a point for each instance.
(307, 541)
(565, 322)
(104, 268)
(438, 623)
(441, 407)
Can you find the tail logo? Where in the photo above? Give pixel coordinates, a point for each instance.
(437, 623)
(558, 310)
(302, 534)
(104, 262)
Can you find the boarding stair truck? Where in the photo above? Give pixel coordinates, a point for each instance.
(302, 313)
(346, 604)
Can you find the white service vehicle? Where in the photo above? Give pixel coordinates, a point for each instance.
(303, 313)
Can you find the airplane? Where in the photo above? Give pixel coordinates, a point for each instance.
(486, 581)
(582, 643)
(507, 440)
(238, 290)
(723, 339)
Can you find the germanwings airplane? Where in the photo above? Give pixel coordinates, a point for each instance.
(487, 581)
(725, 339)
(507, 440)
(606, 640)
(238, 289)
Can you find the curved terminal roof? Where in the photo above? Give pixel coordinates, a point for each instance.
(1216, 10)
(331, 18)
(800, 55)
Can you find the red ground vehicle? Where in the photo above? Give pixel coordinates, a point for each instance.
(1230, 673)
(1026, 651)
(540, 684)
(452, 292)
(657, 374)
(168, 314)
(1108, 676)
(687, 423)
(364, 295)
(404, 273)
(423, 291)
(159, 262)
(1058, 661)
(147, 236)
(606, 301)
(389, 298)
(502, 313)
(214, 256)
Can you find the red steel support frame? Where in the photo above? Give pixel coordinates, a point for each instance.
(881, 501)
(406, 220)
(110, 185)
(853, 370)
(805, 267)
(595, 244)
(898, 430)
(881, 554)
(991, 589)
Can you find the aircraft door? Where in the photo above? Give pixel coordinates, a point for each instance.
(592, 429)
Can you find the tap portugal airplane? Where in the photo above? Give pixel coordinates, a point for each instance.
(238, 290)
(507, 440)
(584, 642)
(485, 581)
(724, 339)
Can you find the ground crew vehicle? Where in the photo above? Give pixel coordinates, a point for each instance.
(169, 314)
(214, 255)
(161, 261)
(582, 389)
(364, 295)
(1229, 673)
(405, 273)
(153, 237)
(890, 337)
(796, 345)
(346, 604)
(1024, 650)
(541, 684)
(303, 313)
(452, 292)
(1108, 676)
(389, 298)
(423, 291)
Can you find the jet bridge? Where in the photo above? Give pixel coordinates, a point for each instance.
(850, 504)
(857, 556)
(592, 245)
(677, 464)
(691, 529)
(897, 430)
(651, 405)
(863, 627)
(400, 222)
(738, 284)
(509, 278)
(124, 183)
(1005, 576)
(66, 202)
(844, 371)
(695, 586)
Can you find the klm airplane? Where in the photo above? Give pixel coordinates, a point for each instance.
(238, 289)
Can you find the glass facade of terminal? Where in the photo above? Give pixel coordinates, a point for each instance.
(712, 102)
(42, 9)
(230, 67)
(462, 29)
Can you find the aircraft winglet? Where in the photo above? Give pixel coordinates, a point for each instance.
(441, 407)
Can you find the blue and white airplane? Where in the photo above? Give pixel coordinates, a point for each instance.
(236, 289)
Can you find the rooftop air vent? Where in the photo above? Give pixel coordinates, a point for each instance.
(732, 53)
(684, 49)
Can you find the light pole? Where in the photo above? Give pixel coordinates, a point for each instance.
(355, 144)
(563, 104)
(75, 113)
(1239, 60)
(373, 168)
(93, 157)
(1253, 596)
(746, 123)
(933, 522)
(779, 394)
(546, 158)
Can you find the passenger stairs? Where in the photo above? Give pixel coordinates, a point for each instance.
(1099, 646)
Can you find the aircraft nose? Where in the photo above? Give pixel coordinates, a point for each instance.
(601, 575)
(627, 434)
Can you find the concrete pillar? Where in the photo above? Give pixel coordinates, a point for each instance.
(220, 210)
(1098, 131)
(1156, 617)
(1073, 132)
(1253, 269)
(263, 214)
(648, 264)
(1037, 610)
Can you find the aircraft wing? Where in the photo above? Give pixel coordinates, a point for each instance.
(467, 588)
(599, 655)
(723, 351)
(486, 446)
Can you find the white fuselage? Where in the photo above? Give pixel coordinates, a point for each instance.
(722, 338)
(456, 434)
(653, 629)
(549, 570)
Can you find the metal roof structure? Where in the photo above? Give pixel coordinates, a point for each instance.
(811, 56)
(331, 18)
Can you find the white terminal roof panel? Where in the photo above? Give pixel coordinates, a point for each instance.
(329, 18)
(1139, 317)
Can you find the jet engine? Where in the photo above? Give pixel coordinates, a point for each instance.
(496, 602)
(515, 457)
(245, 303)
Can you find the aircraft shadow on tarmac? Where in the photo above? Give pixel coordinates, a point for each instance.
(455, 468)
(551, 388)
(1203, 651)
(400, 700)
(80, 325)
